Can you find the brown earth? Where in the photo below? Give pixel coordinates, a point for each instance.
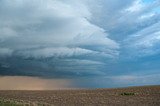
(141, 96)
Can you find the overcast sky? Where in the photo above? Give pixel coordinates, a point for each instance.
(113, 42)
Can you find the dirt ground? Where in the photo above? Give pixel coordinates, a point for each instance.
(140, 96)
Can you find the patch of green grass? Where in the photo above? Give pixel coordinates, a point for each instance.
(128, 94)
(8, 103)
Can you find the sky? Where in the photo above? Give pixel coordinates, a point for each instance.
(87, 43)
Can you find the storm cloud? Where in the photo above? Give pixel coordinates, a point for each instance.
(39, 30)
(79, 38)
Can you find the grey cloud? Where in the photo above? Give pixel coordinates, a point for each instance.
(48, 24)
(34, 33)
(124, 20)
(5, 52)
(59, 38)
(128, 19)
(145, 42)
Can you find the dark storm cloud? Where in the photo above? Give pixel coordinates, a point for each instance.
(47, 38)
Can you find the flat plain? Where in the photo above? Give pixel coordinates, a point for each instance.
(131, 96)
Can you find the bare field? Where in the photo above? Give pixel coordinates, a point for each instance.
(132, 96)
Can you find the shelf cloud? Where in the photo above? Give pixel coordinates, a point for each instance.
(78, 38)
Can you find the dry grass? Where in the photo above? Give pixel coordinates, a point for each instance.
(133, 96)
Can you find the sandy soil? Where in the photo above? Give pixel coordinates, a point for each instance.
(143, 96)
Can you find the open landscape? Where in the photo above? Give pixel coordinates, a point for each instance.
(79, 52)
(131, 96)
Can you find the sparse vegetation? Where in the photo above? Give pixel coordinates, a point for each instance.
(127, 93)
(8, 103)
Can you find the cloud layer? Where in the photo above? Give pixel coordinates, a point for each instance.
(56, 27)
(79, 38)
(39, 30)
